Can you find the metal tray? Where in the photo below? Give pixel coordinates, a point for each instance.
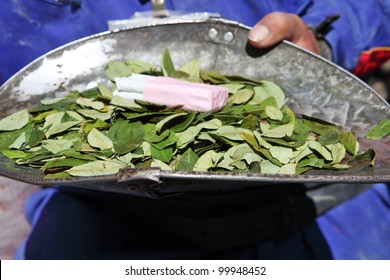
(313, 86)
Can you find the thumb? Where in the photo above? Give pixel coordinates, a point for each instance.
(277, 26)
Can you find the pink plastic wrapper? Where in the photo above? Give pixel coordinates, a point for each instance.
(192, 96)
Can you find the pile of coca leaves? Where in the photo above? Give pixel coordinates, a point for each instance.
(93, 132)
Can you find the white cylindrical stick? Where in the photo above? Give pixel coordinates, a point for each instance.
(129, 95)
(133, 83)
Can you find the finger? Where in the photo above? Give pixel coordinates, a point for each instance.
(275, 27)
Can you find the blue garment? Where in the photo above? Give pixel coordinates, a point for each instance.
(67, 227)
(359, 228)
(33, 27)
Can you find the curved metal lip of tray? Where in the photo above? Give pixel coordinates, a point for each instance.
(313, 86)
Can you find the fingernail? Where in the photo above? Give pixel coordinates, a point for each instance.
(258, 33)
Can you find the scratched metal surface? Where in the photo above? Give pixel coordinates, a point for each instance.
(314, 86)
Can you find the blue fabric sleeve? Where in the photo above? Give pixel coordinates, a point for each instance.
(359, 228)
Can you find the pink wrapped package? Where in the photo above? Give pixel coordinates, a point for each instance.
(172, 92)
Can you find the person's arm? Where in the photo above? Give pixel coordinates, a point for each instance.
(362, 25)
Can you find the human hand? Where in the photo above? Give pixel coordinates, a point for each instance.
(277, 26)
